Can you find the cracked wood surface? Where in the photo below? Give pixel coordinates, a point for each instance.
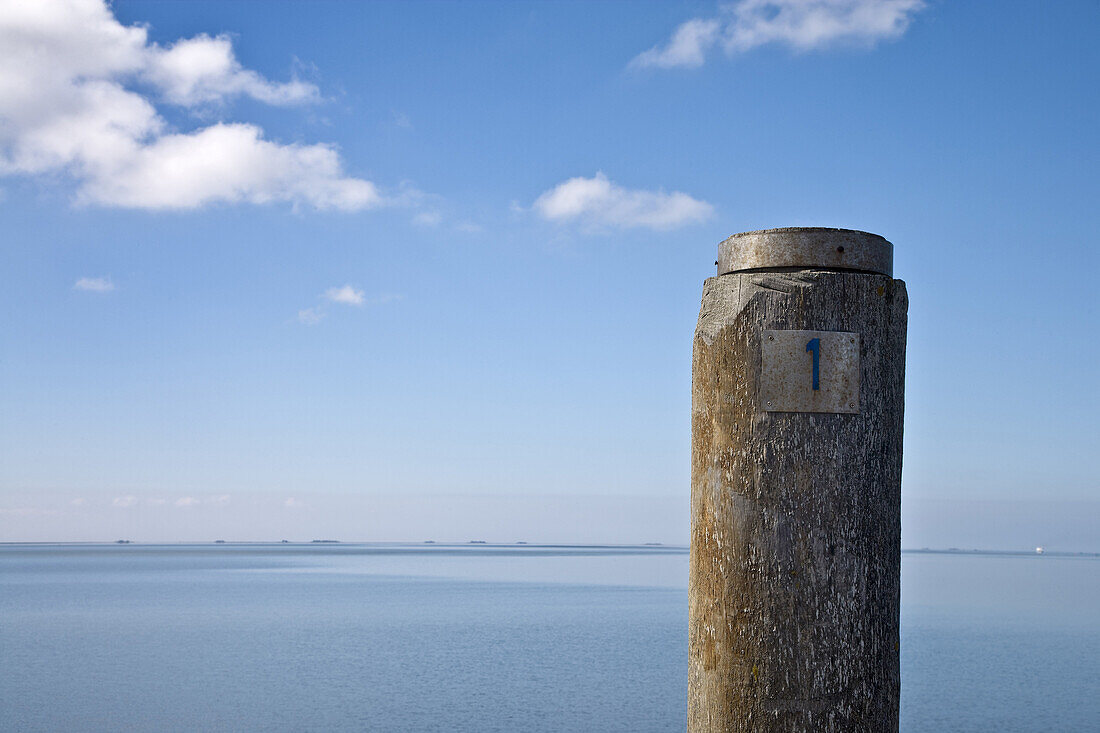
(796, 517)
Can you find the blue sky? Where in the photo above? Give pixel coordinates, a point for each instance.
(268, 263)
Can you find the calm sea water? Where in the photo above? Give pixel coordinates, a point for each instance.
(483, 638)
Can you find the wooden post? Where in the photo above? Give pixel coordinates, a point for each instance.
(798, 378)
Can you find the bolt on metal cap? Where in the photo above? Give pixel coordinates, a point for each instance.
(806, 248)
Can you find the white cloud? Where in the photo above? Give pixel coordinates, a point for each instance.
(597, 202)
(230, 163)
(812, 24)
(347, 295)
(292, 503)
(686, 48)
(70, 75)
(94, 284)
(78, 502)
(188, 501)
(124, 501)
(203, 70)
(344, 295)
(803, 25)
(311, 316)
(428, 218)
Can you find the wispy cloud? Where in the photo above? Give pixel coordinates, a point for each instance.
(597, 202)
(124, 501)
(292, 503)
(342, 295)
(428, 218)
(78, 96)
(311, 316)
(25, 511)
(347, 294)
(94, 284)
(190, 501)
(687, 47)
(204, 70)
(803, 25)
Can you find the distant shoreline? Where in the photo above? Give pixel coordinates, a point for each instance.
(1026, 553)
(428, 545)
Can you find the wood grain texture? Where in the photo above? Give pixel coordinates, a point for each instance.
(796, 517)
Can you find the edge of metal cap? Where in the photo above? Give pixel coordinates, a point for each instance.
(806, 247)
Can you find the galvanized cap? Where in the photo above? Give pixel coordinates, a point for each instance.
(806, 247)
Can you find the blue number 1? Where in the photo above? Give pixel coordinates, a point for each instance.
(815, 346)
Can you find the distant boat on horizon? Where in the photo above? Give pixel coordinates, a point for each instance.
(1039, 550)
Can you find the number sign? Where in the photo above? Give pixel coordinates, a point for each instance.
(809, 371)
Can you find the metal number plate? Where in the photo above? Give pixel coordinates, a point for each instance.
(809, 371)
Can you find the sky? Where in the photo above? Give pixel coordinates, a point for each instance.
(412, 270)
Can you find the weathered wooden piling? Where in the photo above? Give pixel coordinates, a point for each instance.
(798, 378)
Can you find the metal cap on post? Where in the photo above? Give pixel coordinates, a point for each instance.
(798, 378)
(806, 247)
